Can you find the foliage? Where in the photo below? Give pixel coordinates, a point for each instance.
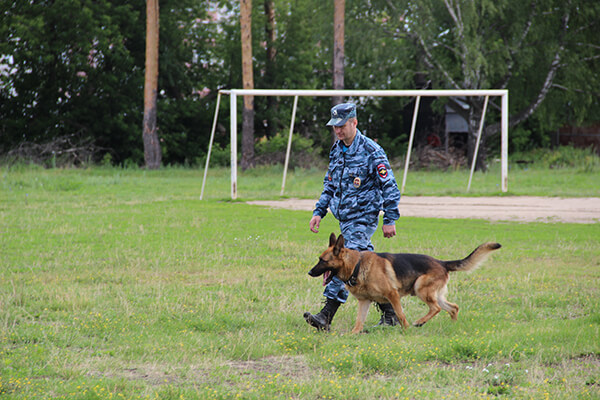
(273, 151)
(574, 99)
(584, 160)
(219, 156)
(279, 143)
(72, 67)
(75, 67)
(534, 49)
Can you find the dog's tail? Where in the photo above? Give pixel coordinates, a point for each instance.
(473, 260)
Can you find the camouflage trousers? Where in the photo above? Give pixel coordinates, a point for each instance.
(357, 236)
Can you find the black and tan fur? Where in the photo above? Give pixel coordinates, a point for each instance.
(386, 277)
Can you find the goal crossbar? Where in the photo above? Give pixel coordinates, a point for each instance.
(234, 93)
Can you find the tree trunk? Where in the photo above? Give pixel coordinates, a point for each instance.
(248, 83)
(339, 11)
(338, 47)
(272, 104)
(152, 153)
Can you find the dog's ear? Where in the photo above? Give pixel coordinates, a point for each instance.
(339, 245)
(332, 239)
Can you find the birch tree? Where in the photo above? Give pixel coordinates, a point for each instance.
(515, 45)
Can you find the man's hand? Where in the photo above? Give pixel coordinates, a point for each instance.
(389, 231)
(314, 223)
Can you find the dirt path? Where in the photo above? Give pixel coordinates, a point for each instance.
(515, 208)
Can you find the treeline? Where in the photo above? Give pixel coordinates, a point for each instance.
(72, 71)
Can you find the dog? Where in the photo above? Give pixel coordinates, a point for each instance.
(386, 277)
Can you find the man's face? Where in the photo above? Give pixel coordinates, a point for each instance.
(347, 131)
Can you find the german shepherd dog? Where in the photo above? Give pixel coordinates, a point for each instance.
(386, 277)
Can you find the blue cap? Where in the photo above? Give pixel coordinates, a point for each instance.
(341, 113)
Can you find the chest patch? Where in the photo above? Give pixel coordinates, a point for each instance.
(357, 182)
(382, 171)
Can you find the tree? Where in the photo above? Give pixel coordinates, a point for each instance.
(152, 154)
(76, 67)
(88, 58)
(339, 12)
(270, 67)
(72, 73)
(248, 83)
(475, 45)
(303, 58)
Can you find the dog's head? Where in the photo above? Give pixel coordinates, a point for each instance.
(330, 262)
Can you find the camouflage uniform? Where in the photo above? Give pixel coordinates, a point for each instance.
(358, 185)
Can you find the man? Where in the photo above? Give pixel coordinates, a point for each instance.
(358, 185)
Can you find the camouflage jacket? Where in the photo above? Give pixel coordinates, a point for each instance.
(359, 182)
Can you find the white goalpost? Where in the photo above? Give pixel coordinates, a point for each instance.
(417, 94)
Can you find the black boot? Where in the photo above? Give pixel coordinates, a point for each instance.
(388, 316)
(323, 319)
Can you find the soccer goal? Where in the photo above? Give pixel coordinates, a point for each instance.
(417, 94)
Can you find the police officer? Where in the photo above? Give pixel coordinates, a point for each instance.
(358, 185)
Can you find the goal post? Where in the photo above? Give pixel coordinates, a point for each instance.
(417, 94)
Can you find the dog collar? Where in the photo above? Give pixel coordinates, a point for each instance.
(353, 278)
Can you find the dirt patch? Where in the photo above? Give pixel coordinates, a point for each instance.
(294, 367)
(288, 366)
(513, 208)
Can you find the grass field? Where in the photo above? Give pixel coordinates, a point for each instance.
(121, 284)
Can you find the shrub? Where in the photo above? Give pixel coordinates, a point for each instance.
(272, 151)
(570, 157)
(582, 159)
(219, 156)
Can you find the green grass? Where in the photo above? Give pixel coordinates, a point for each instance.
(122, 284)
(265, 182)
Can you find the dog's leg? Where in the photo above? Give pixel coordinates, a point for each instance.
(426, 290)
(434, 309)
(394, 299)
(361, 316)
(450, 308)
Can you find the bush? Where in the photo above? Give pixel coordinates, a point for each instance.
(219, 156)
(583, 159)
(268, 151)
(278, 143)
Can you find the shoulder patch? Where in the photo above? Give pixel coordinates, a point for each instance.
(382, 171)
